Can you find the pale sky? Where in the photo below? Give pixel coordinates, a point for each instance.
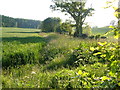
(39, 10)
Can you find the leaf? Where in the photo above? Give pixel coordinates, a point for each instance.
(118, 84)
(105, 78)
(85, 83)
(112, 74)
(92, 48)
(116, 14)
(116, 37)
(108, 32)
(97, 53)
(111, 27)
(102, 44)
(108, 2)
(85, 74)
(80, 72)
(103, 55)
(115, 8)
(97, 48)
(111, 57)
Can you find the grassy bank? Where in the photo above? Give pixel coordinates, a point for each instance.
(49, 60)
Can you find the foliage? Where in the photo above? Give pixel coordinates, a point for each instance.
(115, 29)
(20, 54)
(66, 27)
(77, 11)
(20, 23)
(64, 62)
(51, 24)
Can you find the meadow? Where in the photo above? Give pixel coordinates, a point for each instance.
(101, 30)
(32, 59)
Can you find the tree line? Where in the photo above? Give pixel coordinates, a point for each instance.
(20, 23)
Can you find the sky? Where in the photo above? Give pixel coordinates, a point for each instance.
(40, 10)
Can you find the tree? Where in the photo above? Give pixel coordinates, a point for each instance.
(77, 11)
(66, 27)
(19, 22)
(51, 24)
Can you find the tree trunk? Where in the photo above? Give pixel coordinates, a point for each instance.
(79, 24)
(78, 32)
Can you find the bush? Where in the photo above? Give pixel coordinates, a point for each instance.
(91, 37)
(84, 36)
(19, 54)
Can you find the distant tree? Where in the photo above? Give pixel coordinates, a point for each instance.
(0, 20)
(8, 21)
(76, 9)
(66, 27)
(95, 27)
(27, 23)
(51, 24)
(19, 22)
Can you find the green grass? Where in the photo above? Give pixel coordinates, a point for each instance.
(19, 32)
(101, 31)
(21, 46)
(49, 60)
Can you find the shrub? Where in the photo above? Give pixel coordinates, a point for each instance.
(19, 54)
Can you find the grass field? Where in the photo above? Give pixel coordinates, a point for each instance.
(49, 60)
(101, 30)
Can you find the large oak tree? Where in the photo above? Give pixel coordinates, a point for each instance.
(77, 10)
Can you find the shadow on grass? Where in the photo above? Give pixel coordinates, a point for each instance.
(19, 58)
(24, 32)
(33, 39)
(51, 37)
(67, 62)
(23, 40)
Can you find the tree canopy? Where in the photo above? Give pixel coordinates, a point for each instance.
(51, 24)
(76, 9)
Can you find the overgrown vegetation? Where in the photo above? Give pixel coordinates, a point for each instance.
(51, 25)
(50, 60)
(58, 61)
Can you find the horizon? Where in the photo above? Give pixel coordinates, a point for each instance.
(101, 18)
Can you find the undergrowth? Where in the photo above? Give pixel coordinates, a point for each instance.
(61, 62)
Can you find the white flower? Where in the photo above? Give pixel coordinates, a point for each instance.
(26, 77)
(33, 72)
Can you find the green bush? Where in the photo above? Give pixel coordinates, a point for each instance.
(19, 54)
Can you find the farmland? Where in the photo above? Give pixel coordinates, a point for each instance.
(31, 59)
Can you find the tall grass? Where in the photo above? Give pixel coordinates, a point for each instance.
(15, 53)
(59, 52)
(21, 46)
(58, 61)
